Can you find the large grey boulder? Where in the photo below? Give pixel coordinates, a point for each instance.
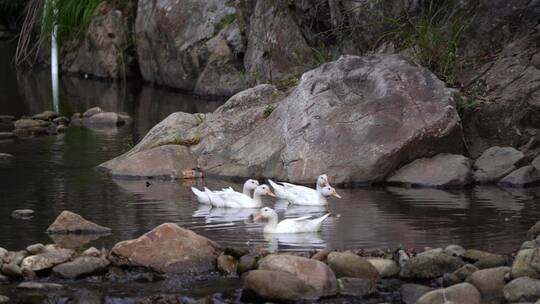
(442, 170)
(168, 248)
(463, 293)
(522, 289)
(172, 39)
(495, 163)
(521, 177)
(353, 119)
(430, 264)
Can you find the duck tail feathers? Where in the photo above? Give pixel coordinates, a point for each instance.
(201, 196)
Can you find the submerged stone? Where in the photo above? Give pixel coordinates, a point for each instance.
(69, 222)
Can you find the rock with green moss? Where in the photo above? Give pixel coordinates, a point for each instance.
(527, 264)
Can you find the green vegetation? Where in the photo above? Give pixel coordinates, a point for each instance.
(268, 110)
(180, 141)
(72, 17)
(230, 18)
(431, 37)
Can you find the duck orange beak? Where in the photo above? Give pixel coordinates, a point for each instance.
(270, 193)
(258, 217)
(334, 194)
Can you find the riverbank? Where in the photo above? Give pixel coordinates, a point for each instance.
(169, 254)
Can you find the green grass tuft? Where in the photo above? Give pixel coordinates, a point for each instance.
(431, 37)
(268, 110)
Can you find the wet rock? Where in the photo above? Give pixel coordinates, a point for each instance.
(524, 176)
(460, 293)
(6, 160)
(522, 289)
(356, 287)
(81, 266)
(61, 128)
(188, 51)
(40, 286)
(106, 120)
(91, 252)
(410, 293)
(35, 248)
(315, 274)
(385, 267)
(29, 275)
(277, 285)
(454, 250)
(276, 47)
(249, 262)
(163, 299)
(525, 264)
(528, 245)
(88, 113)
(69, 222)
(460, 275)
(74, 240)
(348, 264)
(62, 120)
(232, 138)
(12, 270)
(22, 214)
(30, 123)
(102, 50)
(438, 171)
(33, 131)
(48, 259)
(165, 162)
(495, 163)
(14, 257)
(7, 135)
(483, 259)
(168, 248)
(3, 254)
(227, 264)
(4, 299)
(46, 115)
(490, 282)
(430, 264)
(321, 255)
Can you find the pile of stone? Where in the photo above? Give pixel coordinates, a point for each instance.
(436, 275)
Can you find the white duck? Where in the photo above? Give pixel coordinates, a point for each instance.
(231, 199)
(316, 199)
(295, 225)
(285, 190)
(204, 198)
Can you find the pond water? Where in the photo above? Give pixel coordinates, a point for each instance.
(55, 173)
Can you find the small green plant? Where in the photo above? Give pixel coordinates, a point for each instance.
(225, 21)
(432, 36)
(71, 16)
(285, 83)
(268, 110)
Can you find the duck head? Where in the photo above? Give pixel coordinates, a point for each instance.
(265, 213)
(263, 190)
(322, 180)
(251, 184)
(329, 191)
